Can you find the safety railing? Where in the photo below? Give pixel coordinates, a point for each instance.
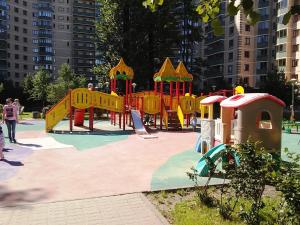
(187, 104)
(151, 104)
(57, 113)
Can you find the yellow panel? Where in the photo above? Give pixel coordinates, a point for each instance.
(197, 103)
(81, 98)
(151, 104)
(57, 113)
(187, 104)
(180, 116)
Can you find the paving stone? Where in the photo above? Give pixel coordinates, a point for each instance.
(130, 209)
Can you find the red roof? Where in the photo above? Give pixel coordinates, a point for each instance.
(212, 99)
(237, 101)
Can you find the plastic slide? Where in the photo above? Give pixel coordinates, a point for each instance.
(214, 154)
(138, 123)
(198, 144)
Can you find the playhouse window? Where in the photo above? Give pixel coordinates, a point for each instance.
(264, 120)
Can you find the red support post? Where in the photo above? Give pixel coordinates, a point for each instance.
(161, 104)
(142, 109)
(171, 94)
(91, 118)
(183, 88)
(155, 87)
(120, 120)
(126, 93)
(71, 111)
(130, 92)
(177, 91)
(190, 88)
(187, 118)
(124, 112)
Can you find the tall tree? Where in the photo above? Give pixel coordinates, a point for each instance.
(36, 85)
(65, 81)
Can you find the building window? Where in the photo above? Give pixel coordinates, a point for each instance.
(281, 33)
(247, 27)
(24, 3)
(25, 48)
(246, 67)
(231, 43)
(230, 56)
(231, 30)
(229, 69)
(16, 38)
(16, 28)
(24, 30)
(281, 62)
(24, 21)
(16, 10)
(25, 57)
(25, 39)
(17, 65)
(16, 1)
(246, 54)
(295, 48)
(16, 47)
(16, 19)
(247, 41)
(295, 33)
(25, 67)
(281, 48)
(16, 56)
(17, 75)
(294, 62)
(24, 12)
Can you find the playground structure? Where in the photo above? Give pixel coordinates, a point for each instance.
(255, 115)
(173, 109)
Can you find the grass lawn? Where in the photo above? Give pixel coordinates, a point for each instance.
(182, 207)
(26, 115)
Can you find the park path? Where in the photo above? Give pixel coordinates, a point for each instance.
(121, 167)
(130, 209)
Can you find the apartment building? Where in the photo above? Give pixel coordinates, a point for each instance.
(288, 41)
(46, 34)
(3, 38)
(244, 54)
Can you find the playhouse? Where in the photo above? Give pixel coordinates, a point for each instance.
(254, 115)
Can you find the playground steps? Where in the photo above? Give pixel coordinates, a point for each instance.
(173, 121)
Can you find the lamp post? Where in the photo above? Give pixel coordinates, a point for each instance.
(133, 86)
(293, 81)
(106, 86)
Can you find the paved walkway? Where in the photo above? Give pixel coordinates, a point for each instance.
(130, 209)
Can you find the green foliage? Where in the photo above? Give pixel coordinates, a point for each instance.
(65, 81)
(36, 85)
(209, 9)
(287, 182)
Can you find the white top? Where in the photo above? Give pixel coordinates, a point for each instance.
(212, 99)
(237, 101)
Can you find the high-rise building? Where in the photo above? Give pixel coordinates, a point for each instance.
(244, 54)
(3, 38)
(46, 34)
(287, 45)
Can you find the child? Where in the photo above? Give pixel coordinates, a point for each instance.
(194, 122)
(17, 104)
(1, 144)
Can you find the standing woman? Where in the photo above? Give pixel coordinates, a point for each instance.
(11, 118)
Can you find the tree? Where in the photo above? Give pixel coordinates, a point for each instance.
(66, 80)
(209, 10)
(36, 85)
(276, 85)
(144, 39)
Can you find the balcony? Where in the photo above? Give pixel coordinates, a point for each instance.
(45, 35)
(280, 55)
(87, 14)
(262, 31)
(261, 58)
(86, 31)
(214, 49)
(264, 17)
(77, 47)
(83, 5)
(263, 4)
(83, 39)
(213, 39)
(262, 45)
(83, 22)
